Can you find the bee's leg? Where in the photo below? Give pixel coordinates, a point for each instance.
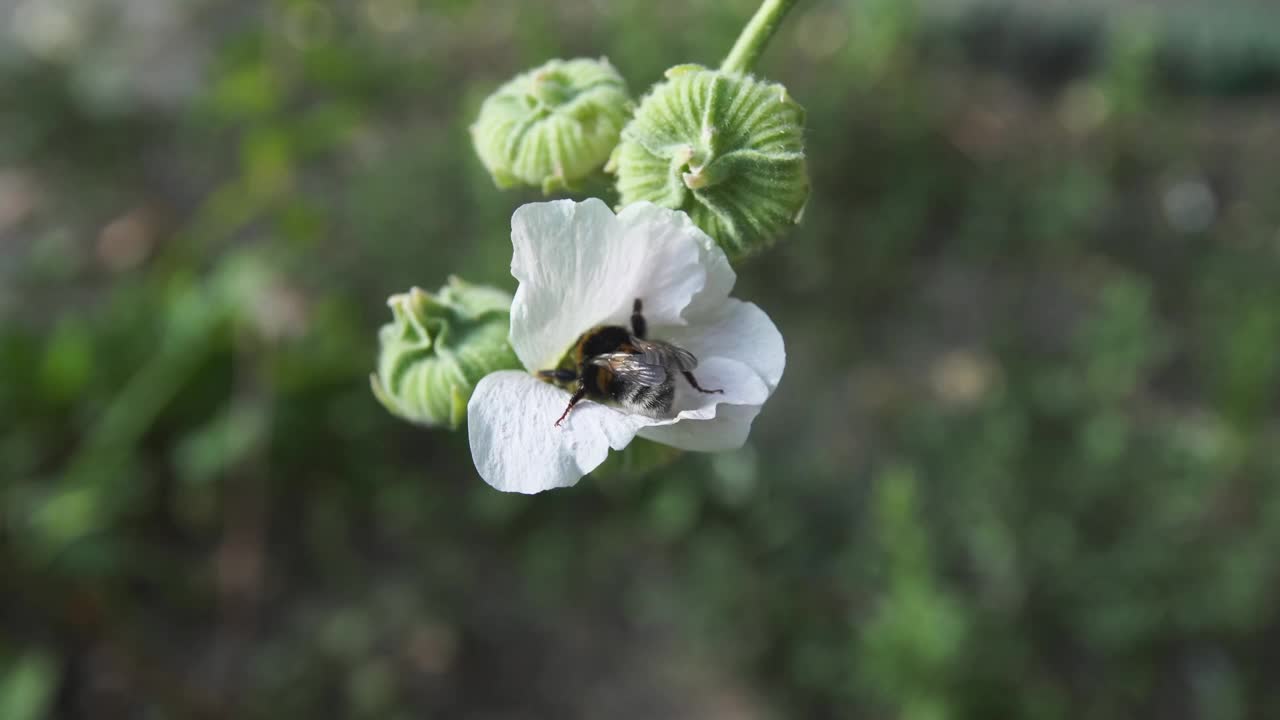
(638, 326)
(689, 376)
(577, 395)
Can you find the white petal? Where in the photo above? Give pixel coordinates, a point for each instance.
(708, 422)
(720, 275)
(646, 220)
(736, 334)
(579, 265)
(516, 445)
(740, 385)
(728, 430)
(737, 330)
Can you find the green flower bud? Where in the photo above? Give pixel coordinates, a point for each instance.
(553, 125)
(438, 347)
(726, 148)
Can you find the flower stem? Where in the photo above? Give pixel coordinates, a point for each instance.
(755, 36)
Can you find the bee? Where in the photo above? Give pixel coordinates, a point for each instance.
(621, 366)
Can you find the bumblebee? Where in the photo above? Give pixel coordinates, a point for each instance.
(621, 366)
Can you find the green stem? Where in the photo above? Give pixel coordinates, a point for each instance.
(755, 36)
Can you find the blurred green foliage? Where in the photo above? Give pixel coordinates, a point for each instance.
(1022, 463)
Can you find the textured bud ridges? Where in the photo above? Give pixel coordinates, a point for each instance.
(437, 348)
(553, 125)
(726, 148)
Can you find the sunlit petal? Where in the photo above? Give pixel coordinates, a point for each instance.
(579, 266)
(516, 444)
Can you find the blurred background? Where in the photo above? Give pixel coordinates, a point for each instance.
(1023, 463)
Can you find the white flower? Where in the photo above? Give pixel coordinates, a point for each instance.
(579, 266)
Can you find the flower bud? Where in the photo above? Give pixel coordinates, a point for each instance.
(728, 149)
(438, 347)
(553, 125)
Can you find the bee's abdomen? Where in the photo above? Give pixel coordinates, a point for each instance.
(647, 399)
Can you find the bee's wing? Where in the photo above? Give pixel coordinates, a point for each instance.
(657, 352)
(634, 367)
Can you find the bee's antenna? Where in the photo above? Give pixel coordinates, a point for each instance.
(558, 375)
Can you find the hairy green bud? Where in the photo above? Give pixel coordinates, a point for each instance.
(552, 126)
(437, 347)
(726, 148)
